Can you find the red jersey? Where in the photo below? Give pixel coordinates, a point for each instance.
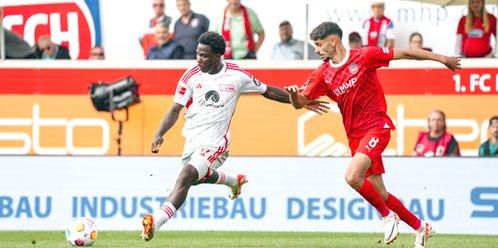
(446, 145)
(378, 31)
(476, 42)
(354, 85)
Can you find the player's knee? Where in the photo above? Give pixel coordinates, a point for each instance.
(354, 181)
(188, 175)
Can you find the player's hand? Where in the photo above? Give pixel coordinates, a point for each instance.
(156, 143)
(292, 89)
(453, 63)
(318, 106)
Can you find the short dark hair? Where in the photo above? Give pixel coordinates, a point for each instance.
(284, 23)
(213, 40)
(354, 37)
(416, 34)
(494, 118)
(325, 29)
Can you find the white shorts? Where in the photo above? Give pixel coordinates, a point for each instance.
(204, 159)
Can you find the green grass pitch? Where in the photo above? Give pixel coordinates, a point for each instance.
(28, 239)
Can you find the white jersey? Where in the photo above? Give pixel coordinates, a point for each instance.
(210, 101)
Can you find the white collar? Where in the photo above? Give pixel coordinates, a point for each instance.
(344, 60)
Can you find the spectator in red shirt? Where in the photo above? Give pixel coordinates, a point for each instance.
(436, 142)
(474, 31)
(378, 30)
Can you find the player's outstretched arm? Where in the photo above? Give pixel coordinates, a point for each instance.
(297, 99)
(168, 121)
(276, 94)
(453, 63)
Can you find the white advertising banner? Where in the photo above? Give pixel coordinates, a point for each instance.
(457, 195)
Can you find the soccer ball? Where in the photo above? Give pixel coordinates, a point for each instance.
(81, 232)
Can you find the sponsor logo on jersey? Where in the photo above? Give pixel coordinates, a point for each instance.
(344, 87)
(353, 68)
(210, 99)
(71, 23)
(228, 87)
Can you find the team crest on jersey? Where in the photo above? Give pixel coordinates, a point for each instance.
(228, 87)
(353, 68)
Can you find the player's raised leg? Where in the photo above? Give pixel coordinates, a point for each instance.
(355, 178)
(233, 182)
(214, 176)
(186, 179)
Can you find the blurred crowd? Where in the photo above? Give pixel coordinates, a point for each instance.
(244, 35)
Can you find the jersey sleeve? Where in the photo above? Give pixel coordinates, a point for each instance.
(183, 91)
(249, 84)
(255, 23)
(314, 87)
(375, 57)
(390, 31)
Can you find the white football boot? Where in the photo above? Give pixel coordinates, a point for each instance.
(391, 231)
(422, 235)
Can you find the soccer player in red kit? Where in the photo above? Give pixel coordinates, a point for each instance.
(349, 78)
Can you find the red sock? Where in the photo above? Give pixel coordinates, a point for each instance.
(373, 197)
(408, 217)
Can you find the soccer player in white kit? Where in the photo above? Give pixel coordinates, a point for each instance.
(210, 91)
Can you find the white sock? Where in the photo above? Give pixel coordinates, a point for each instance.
(165, 213)
(226, 179)
(422, 227)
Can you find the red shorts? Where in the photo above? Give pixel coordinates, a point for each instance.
(372, 144)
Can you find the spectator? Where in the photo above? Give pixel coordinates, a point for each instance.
(97, 53)
(46, 49)
(355, 41)
(165, 47)
(238, 27)
(436, 142)
(188, 28)
(290, 48)
(490, 147)
(474, 31)
(378, 30)
(159, 15)
(417, 42)
(148, 40)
